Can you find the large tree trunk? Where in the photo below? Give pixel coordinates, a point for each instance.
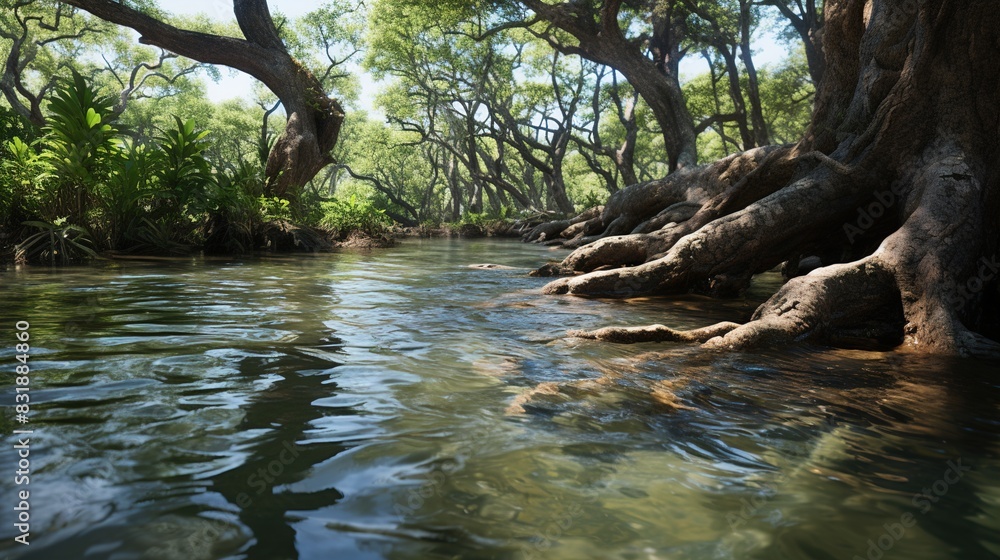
(894, 188)
(657, 80)
(314, 119)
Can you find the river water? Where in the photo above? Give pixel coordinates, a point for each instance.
(400, 404)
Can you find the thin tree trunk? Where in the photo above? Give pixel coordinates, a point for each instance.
(761, 136)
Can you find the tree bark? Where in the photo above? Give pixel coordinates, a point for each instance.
(808, 23)
(761, 136)
(314, 119)
(895, 187)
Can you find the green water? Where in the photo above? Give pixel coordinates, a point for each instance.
(372, 405)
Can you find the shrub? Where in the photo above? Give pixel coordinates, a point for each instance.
(345, 216)
(56, 242)
(593, 198)
(185, 176)
(273, 209)
(80, 146)
(239, 209)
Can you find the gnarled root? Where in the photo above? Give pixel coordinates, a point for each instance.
(916, 288)
(735, 246)
(852, 304)
(622, 250)
(896, 186)
(653, 208)
(654, 333)
(548, 231)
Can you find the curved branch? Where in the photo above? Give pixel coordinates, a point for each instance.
(244, 55)
(375, 182)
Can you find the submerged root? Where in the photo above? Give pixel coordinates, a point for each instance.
(853, 304)
(517, 405)
(618, 384)
(654, 333)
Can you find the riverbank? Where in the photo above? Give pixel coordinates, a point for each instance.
(57, 246)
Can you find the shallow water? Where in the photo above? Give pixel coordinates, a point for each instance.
(375, 405)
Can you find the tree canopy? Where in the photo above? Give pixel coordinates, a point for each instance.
(502, 119)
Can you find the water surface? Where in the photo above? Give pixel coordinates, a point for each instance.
(399, 404)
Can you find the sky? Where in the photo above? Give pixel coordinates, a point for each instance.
(237, 84)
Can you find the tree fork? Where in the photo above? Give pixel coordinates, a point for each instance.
(314, 119)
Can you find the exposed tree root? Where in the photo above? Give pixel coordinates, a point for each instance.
(726, 251)
(890, 198)
(654, 333)
(842, 303)
(546, 231)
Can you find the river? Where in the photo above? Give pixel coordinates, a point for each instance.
(399, 404)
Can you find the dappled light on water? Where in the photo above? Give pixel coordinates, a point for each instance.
(403, 404)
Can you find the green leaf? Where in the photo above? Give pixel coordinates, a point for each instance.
(93, 118)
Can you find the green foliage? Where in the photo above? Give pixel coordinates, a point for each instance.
(184, 174)
(787, 93)
(127, 195)
(489, 222)
(593, 198)
(19, 169)
(159, 237)
(239, 196)
(134, 195)
(473, 132)
(479, 219)
(55, 243)
(345, 216)
(274, 208)
(238, 213)
(79, 148)
(484, 219)
(13, 126)
(786, 99)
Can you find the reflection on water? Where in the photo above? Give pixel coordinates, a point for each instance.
(402, 405)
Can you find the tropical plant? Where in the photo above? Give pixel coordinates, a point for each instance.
(273, 209)
(125, 198)
(20, 170)
(184, 174)
(79, 146)
(56, 242)
(237, 216)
